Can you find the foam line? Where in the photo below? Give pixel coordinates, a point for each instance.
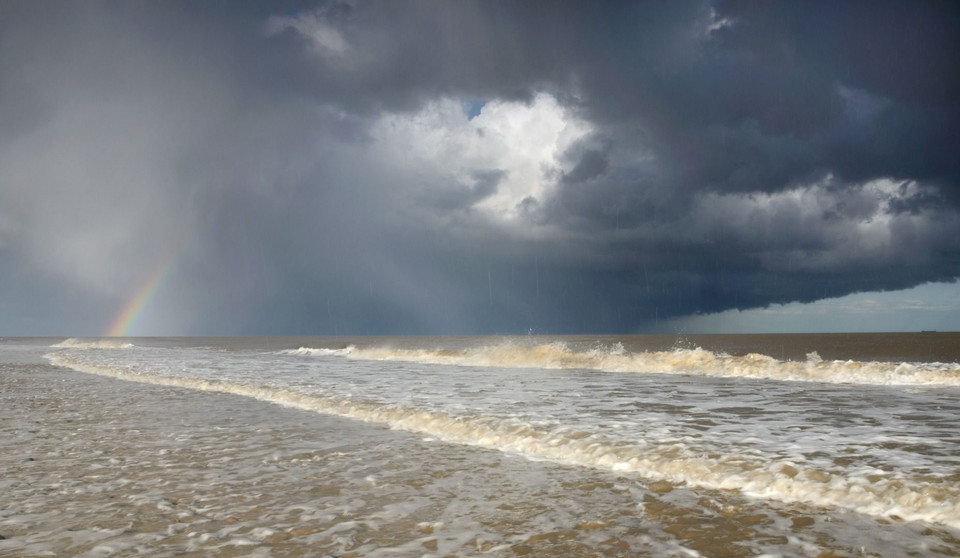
(698, 362)
(752, 475)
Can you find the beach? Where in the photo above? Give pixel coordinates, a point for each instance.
(100, 466)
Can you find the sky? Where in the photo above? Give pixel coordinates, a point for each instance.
(478, 167)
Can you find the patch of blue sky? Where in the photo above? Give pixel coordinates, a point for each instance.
(928, 307)
(472, 107)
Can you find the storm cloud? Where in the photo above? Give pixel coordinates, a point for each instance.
(468, 167)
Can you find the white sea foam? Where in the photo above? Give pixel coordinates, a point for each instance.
(76, 343)
(676, 460)
(698, 362)
(307, 351)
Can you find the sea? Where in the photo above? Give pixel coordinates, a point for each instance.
(820, 445)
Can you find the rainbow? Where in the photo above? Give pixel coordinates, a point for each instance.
(121, 324)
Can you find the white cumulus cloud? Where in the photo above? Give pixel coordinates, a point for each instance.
(522, 142)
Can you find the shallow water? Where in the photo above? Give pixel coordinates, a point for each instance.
(276, 447)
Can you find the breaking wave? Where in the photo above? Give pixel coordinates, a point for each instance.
(698, 362)
(75, 343)
(305, 351)
(882, 495)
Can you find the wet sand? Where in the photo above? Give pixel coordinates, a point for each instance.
(100, 467)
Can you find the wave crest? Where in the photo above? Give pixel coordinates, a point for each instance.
(307, 351)
(696, 361)
(77, 343)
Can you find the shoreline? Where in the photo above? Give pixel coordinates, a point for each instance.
(103, 466)
(98, 466)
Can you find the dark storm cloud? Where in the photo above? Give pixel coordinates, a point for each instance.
(376, 167)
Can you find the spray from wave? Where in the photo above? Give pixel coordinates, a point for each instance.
(305, 351)
(74, 343)
(697, 361)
